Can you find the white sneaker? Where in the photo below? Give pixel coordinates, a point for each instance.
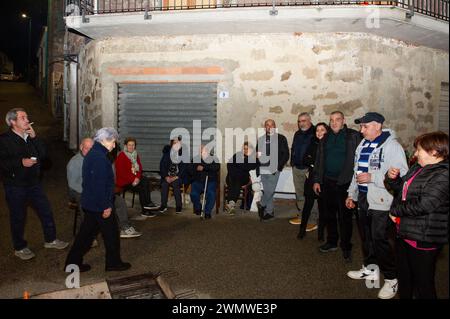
(24, 254)
(363, 273)
(389, 289)
(230, 207)
(56, 244)
(130, 232)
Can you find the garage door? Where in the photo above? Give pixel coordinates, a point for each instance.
(149, 112)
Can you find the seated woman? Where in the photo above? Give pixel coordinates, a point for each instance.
(238, 176)
(171, 170)
(204, 166)
(129, 176)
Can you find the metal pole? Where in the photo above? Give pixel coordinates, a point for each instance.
(202, 214)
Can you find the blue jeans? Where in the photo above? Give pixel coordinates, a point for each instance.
(17, 198)
(197, 189)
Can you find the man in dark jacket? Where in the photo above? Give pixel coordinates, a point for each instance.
(205, 165)
(21, 155)
(334, 171)
(301, 142)
(273, 154)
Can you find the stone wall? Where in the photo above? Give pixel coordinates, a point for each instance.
(275, 76)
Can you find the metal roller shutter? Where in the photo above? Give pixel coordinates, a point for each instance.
(443, 108)
(149, 112)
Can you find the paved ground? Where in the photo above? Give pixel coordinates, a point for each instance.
(225, 257)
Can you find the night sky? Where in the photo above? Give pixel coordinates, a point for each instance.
(14, 29)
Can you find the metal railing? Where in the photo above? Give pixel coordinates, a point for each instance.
(438, 9)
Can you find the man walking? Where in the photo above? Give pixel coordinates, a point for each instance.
(377, 152)
(332, 176)
(273, 153)
(301, 142)
(21, 155)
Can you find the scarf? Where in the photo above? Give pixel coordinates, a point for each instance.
(133, 158)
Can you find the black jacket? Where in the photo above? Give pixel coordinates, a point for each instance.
(98, 180)
(352, 140)
(209, 169)
(309, 159)
(300, 144)
(424, 213)
(13, 149)
(166, 163)
(238, 166)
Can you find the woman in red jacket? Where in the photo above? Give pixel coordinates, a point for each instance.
(129, 176)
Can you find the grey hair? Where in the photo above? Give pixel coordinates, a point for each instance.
(106, 133)
(12, 115)
(304, 114)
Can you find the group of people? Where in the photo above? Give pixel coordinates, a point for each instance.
(401, 212)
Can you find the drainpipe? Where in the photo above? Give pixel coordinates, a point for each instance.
(45, 82)
(66, 92)
(47, 63)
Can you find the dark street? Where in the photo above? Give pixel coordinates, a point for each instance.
(224, 257)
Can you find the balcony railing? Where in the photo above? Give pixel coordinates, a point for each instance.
(438, 9)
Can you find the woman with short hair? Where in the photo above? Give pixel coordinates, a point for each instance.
(97, 203)
(420, 211)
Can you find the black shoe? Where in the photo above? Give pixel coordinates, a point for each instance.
(268, 217)
(197, 212)
(151, 206)
(207, 216)
(347, 254)
(119, 267)
(327, 247)
(163, 209)
(301, 235)
(148, 214)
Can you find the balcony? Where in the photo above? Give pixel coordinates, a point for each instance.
(418, 22)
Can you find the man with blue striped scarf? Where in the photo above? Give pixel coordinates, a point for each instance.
(377, 152)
